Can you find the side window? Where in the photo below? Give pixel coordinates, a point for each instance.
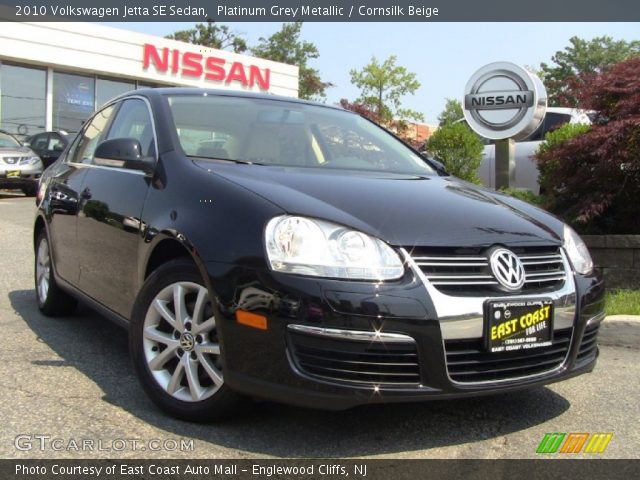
(133, 121)
(39, 142)
(91, 136)
(55, 143)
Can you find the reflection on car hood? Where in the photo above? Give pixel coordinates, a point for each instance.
(404, 210)
(16, 152)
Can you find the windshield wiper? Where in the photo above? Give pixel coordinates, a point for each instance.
(241, 162)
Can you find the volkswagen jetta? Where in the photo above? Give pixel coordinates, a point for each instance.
(270, 247)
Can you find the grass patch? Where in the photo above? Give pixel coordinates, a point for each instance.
(623, 302)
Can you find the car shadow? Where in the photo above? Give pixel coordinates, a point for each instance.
(97, 348)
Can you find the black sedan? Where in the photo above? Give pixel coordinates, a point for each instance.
(258, 246)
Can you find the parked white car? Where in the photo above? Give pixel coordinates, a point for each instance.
(526, 167)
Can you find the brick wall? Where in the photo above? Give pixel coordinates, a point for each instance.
(618, 257)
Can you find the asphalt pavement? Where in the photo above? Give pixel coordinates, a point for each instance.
(67, 389)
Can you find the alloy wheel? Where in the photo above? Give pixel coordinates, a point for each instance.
(181, 344)
(43, 270)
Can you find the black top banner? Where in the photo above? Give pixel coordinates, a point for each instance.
(321, 10)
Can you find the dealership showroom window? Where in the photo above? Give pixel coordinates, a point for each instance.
(74, 97)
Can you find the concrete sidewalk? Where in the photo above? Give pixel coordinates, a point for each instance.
(620, 331)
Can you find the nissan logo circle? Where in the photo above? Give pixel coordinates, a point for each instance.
(503, 100)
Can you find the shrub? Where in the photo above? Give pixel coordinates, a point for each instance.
(553, 140)
(459, 149)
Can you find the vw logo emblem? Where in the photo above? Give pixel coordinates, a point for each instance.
(507, 268)
(187, 341)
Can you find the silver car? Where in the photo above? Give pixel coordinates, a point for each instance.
(20, 167)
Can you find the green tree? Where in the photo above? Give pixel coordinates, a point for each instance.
(212, 35)
(452, 112)
(581, 58)
(382, 86)
(286, 46)
(459, 149)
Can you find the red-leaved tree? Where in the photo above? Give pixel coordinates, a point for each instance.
(597, 174)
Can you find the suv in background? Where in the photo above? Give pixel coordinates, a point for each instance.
(526, 167)
(49, 145)
(20, 167)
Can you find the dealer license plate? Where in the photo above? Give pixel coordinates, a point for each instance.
(519, 325)
(13, 173)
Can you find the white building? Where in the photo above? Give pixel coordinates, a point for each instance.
(53, 75)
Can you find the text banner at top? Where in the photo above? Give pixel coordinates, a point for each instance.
(320, 11)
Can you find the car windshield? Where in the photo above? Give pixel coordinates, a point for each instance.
(7, 141)
(277, 132)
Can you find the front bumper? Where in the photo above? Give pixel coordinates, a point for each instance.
(265, 363)
(19, 176)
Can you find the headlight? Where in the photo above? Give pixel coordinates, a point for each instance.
(322, 249)
(29, 160)
(577, 251)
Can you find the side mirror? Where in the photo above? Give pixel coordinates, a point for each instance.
(123, 153)
(58, 147)
(26, 144)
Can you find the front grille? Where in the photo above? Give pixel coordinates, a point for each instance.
(466, 272)
(588, 346)
(355, 362)
(468, 361)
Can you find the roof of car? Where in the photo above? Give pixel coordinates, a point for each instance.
(152, 92)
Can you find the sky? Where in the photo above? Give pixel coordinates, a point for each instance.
(442, 55)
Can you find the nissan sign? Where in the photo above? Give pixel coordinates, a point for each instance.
(503, 100)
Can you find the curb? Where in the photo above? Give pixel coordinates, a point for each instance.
(620, 331)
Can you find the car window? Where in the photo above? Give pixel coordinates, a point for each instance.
(8, 141)
(55, 143)
(277, 132)
(552, 121)
(91, 136)
(39, 142)
(133, 121)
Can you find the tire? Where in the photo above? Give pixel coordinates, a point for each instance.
(30, 191)
(52, 300)
(176, 355)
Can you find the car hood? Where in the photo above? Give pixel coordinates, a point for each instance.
(16, 152)
(403, 210)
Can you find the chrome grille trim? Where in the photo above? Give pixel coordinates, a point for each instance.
(478, 272)
(357, 335)
(462, 317)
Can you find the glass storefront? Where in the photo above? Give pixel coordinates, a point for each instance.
(22, 99)
(73, 101)
(107, 89)
(74, 97)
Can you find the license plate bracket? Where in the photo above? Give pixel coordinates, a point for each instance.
(516, 325)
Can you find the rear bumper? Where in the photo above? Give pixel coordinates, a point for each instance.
(265, 363)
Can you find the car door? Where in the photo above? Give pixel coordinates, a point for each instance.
(64, 196)
(109, 225)
(55, 146)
